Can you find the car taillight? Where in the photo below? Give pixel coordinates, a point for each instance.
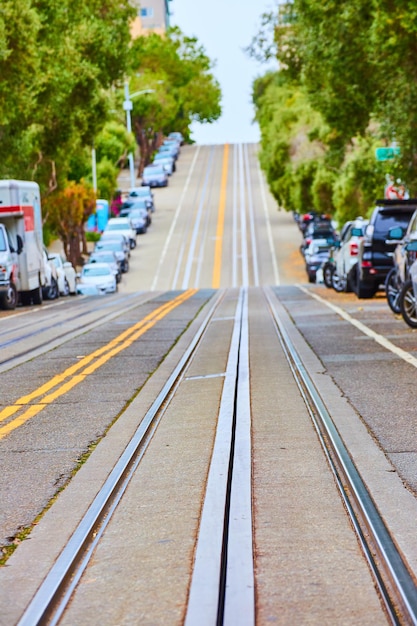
(366, 264)
(353, 248)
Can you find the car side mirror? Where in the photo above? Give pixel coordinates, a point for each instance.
(396, 233)
(411, 246)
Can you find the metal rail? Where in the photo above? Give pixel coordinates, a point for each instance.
(395, 582)
(222, 590)
(52, 597)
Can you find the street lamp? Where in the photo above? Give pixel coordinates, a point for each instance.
(128, 106)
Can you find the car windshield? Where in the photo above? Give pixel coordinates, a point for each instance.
(390, 219)
(109, 245)
(140, 191)
(96, 271)
(117, 226)
(102, 258)
(2, 241)
(153, 170)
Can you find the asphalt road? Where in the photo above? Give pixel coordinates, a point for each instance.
(216, 227)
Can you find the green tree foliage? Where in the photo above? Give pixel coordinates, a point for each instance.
(185, 90)
(355, 65)
(60, 57)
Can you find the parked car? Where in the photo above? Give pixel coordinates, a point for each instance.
(408, 297)
(177, 136)
(124, 226)
(375, 254)
(96, 277)
(66, 274)
(167, 162)
(405, 253)
(109, 257)
(319, 230)
(346, 253)
(50, 290)
(155, 176)
(137, 203)
(116, 236)
(170, 147)
(119, 249)
(139, 217)
(316, 253)
(144, 193)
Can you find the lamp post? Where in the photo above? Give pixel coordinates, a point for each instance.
(128, 106)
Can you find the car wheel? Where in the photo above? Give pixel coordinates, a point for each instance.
(392, 290)
(8, 302)
(328, 270)
(408, 304)
(338, 283)
(51, 292)
(66, 290)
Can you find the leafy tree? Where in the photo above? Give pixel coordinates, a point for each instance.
(20, 82)
(67, 211)
(180, 73)
(76, 50)
(291, 140)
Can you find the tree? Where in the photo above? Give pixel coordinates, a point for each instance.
(180, 73)
(76, 51)
(67, 211)
(355, 64)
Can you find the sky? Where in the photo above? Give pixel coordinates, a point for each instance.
(224, 28)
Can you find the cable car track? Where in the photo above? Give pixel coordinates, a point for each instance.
(394, 580)
(222, 592)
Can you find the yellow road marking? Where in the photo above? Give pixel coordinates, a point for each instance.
(103, 354)
(220, 222)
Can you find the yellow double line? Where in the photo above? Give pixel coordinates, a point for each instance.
(215, 283)
(72, 376)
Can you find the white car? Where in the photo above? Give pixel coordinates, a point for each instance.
(124, 226)
(346, 254)
(96, 278)
(66, 274)
(50, 290)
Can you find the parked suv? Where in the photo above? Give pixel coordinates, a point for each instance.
(368, 275)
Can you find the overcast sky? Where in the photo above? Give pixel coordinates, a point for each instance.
(224, 28)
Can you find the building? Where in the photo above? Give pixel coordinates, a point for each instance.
(152, 17)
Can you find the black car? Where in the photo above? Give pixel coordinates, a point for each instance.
(375, 258)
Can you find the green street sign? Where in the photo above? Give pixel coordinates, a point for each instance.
(385, 154)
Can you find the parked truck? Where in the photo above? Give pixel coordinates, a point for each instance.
(22, 270)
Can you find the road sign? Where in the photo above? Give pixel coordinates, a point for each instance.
(385, 154)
